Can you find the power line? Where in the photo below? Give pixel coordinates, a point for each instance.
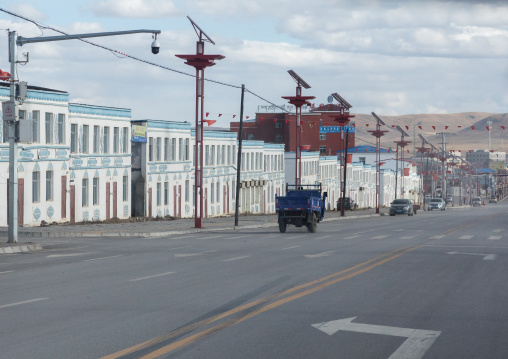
(115, 52)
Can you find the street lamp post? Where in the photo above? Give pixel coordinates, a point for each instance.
(14, 41)
(199, 61)
(378, 134)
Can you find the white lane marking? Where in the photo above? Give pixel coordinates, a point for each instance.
(151, 276)
(467, 236)
(235, 259)
(497, 230)
(98, 259)
(438, 236)
(324, 236)
(178, 247)
(7, 271)
(486, 257)
(210, 237)
(68, 255)
(414, 347)
(407, 237)
(322, 254)
(283, 249)
(494, 237)
(23, 302)
(351, 237)
(236, 237)
(188, 255)
(379, 237)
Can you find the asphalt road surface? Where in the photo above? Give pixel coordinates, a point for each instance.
(432, 285)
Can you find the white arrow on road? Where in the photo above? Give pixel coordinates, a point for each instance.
(486, 257)
(416, 345)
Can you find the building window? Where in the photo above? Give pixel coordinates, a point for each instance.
(278, 138)
(166, 193)
(125, 140)
(125, 188)
(187, 155)
(35, 126)
(86, 131)
(84, 192)
(49, 185)
(116, 139)
(36, 187)
(322, 150)
(95, 191)
(233, 192)
(278, 124)
(61, 128)
(180, 149)
(166, 149)
(362, 159)
(74, 138)
(212, 193)
(322, 136)
(218, 192)
(96, 136)
(150, 149)
(212, 154)
(159, 193)
(173, 149)
(187, 188)
(105, 141)
(250, 137)
(49, 128)
(158, 149)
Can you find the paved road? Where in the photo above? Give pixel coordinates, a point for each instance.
(431, 285)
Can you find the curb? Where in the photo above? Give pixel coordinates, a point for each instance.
(20, 248)
(168, 233)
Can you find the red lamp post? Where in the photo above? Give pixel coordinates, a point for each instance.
(298, 101)
(378, 134)
(343, 119)
(199, 61)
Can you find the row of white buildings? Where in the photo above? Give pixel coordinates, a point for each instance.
(93, 163)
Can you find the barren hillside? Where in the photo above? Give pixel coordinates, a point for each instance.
(458, 126)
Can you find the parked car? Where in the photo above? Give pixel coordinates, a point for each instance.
(476, 202)
(349, 204)
(436, 203)
(401, 206)
(493, 199)
(449, 199)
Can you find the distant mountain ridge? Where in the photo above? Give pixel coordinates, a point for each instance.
(458, 126)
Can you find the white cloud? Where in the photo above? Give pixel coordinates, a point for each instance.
(28, 11)
(134, 8)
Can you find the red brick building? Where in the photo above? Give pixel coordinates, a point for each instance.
(281, 128)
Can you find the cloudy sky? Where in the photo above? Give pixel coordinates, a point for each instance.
(391, 57)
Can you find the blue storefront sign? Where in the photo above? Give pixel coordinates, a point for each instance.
(336, 129)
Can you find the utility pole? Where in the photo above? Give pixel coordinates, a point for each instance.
(443, 160)
(489, 122)
(14, 41)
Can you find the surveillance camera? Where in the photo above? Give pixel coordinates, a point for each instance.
(155, 47)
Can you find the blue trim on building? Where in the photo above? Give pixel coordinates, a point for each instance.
(40, 95)
(170, 125)
(99, 110)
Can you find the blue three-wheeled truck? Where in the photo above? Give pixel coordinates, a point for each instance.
(302, 205)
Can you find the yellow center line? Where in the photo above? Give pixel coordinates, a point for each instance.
(181, 343)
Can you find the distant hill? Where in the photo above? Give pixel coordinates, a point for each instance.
(457, 125)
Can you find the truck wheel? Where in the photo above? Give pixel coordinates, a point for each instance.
(282, 227)
(312, 226)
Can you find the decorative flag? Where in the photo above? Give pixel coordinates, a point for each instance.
(207, 114)
(274, 120)
(4, 75)
(488, 128)
(491, 150)
(287, 121)
(503, 127)
(210, 122)
(247, 117)
(367, 124)
(220, 114)
(459, 126)
(446, 127)
(433, 127)
(365, 150)
(472, 127)
(407, 127)
(393, 126)
(420, 127)
(354, 124)
(469, 151)
(234, 116)
(356, 149)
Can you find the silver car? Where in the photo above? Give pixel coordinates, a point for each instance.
(436, 203)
